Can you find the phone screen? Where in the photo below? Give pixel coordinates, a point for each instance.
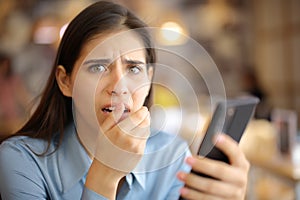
(230, 117)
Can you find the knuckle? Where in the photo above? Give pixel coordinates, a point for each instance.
(210, 187)
(141, 113)
(188, 179)
(243, 180)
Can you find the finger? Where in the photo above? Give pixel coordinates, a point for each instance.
(136, 119)
(231, 149)
(113, 118)
(191, 194)
(216, 169)
(142, 131)
(208, 185)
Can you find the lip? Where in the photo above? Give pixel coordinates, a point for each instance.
(124, 115)
(109, 108)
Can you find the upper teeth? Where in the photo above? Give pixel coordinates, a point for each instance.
(111, 108)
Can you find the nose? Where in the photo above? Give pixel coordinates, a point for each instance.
(118, 84)
(117, 91)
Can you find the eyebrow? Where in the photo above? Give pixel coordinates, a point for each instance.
(133, 62)
(104, 60)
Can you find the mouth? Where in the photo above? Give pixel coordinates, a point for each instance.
(109, 109)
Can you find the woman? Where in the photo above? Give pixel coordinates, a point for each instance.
(104, 67)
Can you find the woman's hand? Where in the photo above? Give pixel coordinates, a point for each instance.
(230, 179)
(129, 136)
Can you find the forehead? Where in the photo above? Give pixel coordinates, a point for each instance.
(114, 45)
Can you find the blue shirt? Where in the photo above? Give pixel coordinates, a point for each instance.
(61, 175)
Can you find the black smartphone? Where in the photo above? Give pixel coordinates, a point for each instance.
(230, 117)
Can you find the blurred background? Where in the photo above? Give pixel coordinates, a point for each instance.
(255, 45)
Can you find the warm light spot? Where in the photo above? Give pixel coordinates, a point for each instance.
(171, 31)
(62, 30)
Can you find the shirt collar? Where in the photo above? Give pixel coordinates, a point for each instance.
(139, 177)
(73, 161)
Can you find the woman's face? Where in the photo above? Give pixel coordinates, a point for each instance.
(111, 73)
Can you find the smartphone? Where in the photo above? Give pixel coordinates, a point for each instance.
(230, 117)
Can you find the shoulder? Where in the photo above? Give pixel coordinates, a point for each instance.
(20, 168)
(24, 144)
(12, 150)
(22, 154)
(23, 149)
(18, 153)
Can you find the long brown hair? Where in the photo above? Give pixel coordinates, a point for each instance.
(54, 111)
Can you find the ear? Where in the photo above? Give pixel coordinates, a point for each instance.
(64, 81)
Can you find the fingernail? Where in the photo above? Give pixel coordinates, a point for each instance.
(183, 191)
(190, 161)
(181, 176)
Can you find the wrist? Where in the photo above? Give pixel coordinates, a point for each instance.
(103, 180)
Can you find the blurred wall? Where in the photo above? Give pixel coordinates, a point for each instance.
(275, 50)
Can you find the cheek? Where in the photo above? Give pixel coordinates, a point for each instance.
(84, 100)
(99, 91)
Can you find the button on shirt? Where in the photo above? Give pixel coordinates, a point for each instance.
(61, 175)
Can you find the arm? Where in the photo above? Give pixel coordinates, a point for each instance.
(103, 180)
(126, 135)
(230, 179)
